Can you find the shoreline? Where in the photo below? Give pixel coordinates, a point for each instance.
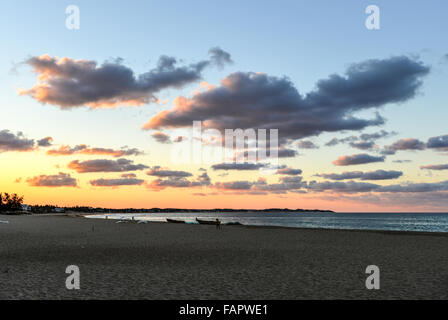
(390, 232)
(445, 234)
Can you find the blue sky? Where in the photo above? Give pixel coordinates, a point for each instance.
(303, 40)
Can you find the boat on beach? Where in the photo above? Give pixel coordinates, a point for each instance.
(205, 222)
(174, 221)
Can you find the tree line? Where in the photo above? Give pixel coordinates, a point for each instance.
(10, 202)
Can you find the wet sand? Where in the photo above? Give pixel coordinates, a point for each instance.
(176, 261)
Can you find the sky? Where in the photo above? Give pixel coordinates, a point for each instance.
(102, 115)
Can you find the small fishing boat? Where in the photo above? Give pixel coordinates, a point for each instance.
(205, 221)
(174, 221)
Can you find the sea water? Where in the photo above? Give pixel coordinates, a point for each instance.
(428, 222)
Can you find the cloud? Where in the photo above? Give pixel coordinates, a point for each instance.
(360, 187)
(257, 100)
(84, 149)
(260, 187)
(381, 175)
(433, 201)
(202, 180)
(440, 143)
(125, 180)
(234, 185)
(70, 83)
(157, 171)
(363, 145)
(220, 57)
(285, 184)
(45, 142)
(343, 187)
(161, 137)
(286, 153)
(336, 141)
(59, 180)
(238, 166)
(160, 184)
(435, 167)
(377, 135)
(289, 171)
(356, 159)
(177, 179)
(179, 139)
(402, 161)
(371, 175)
(363, 138)
(14, 142)
(104, 165)
(306, 144)
(417, 187)
(404, 144)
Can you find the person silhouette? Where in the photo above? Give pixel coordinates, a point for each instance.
(218, 224)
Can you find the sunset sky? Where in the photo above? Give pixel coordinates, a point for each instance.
(95, 116)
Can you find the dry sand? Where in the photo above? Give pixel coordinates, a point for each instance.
(171, 261)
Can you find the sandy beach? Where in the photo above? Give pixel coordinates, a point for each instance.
(176, 261)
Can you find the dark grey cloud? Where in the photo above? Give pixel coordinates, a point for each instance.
(336, 141)
(104, 165)
(363, 187)
(363, 145)
(402, 161)
(288, 171)
(123, 181)
(377, 135)
(404, 144)
(220, 57)
(356, 159)
(45, 142)
(435, 167)
(287, 153)
(59, 180)
(158, 171)
(14, 142)
(160, 184)
(177, 179)
(306, 144)
(66, 150)
(234, 185)
(256, 100)
(430, 201)
(285, 184)
(70, 83)
(161, 137)
(439, 143)
(343, 187)
(363, 138)
(417, 187)
(371, 175)
(202, 180)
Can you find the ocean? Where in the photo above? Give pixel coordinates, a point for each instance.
(427, 222)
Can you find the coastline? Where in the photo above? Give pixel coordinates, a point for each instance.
(184, 261)
(401, 232)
